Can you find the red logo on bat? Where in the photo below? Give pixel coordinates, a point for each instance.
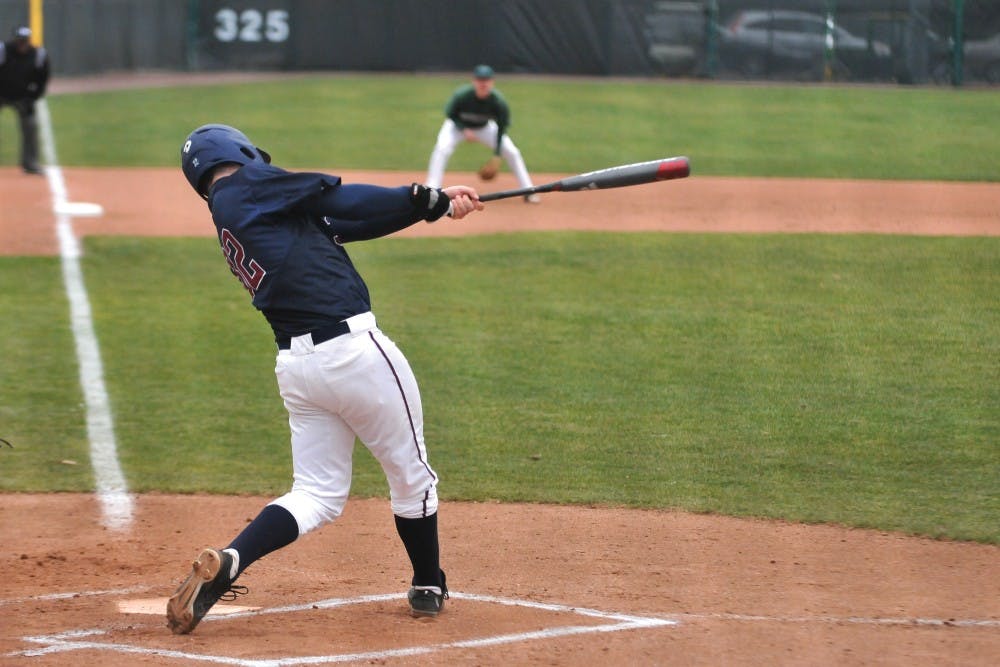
(669, 169)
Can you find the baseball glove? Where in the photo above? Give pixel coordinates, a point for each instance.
(490, 168)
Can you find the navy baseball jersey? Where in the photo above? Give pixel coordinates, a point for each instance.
(282, 234)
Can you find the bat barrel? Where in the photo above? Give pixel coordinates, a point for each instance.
(629, 174)
(677, 167)
(615, 177)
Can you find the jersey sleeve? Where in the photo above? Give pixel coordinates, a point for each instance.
(353, 212)
(277, 191)
(41, 73)
(358, 212)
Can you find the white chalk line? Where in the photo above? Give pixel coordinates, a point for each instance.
(112, 491)
(82, 639)
(847, 620)
(75, 640)
(723, 616)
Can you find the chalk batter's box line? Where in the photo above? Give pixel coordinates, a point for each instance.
(849, 620)
(76, 640)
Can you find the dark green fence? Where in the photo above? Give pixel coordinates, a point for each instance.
(891, 41)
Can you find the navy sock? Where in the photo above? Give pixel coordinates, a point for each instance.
(420, 537)
(272, 529)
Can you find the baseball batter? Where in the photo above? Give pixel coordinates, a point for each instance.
(283, 235)
(478, 112)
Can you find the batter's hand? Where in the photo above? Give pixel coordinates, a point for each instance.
(464, 200)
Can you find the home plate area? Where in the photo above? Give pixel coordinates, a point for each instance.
(372, 627)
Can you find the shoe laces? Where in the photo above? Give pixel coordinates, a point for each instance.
(431, 595)
(233, 592)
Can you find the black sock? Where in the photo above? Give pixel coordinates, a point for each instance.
(420, 537)
(272, 529)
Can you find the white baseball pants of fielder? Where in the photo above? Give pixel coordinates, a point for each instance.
(358, 384)
(451, 136)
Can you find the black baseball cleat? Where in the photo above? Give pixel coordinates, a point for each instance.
(427, 601)
(208, 583)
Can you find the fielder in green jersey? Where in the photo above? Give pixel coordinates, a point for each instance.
(478, 112)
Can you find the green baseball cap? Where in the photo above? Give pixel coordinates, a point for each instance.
(483, 72)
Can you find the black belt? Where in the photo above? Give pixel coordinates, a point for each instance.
(318, 336)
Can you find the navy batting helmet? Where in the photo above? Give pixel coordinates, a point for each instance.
(212, 145)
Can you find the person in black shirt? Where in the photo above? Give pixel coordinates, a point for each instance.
(24, 74)
(283, 235)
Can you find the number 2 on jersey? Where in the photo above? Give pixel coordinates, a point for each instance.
(250, 273)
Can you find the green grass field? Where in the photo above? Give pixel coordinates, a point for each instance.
(822, 378)
(390, 122)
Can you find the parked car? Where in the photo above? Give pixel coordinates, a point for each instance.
(675, 32)
(982, 59)
(939, 57)
(764, 43)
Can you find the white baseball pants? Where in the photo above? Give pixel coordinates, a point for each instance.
(358, 384)
(451, 136)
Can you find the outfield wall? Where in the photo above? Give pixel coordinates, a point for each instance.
(905, 41)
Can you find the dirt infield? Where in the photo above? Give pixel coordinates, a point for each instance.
(159, 202)
(534, 584)
(741, 592)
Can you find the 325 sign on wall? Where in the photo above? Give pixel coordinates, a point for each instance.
(251, 25)
(245, 34)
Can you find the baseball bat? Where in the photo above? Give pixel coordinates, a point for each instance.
(613, 177)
